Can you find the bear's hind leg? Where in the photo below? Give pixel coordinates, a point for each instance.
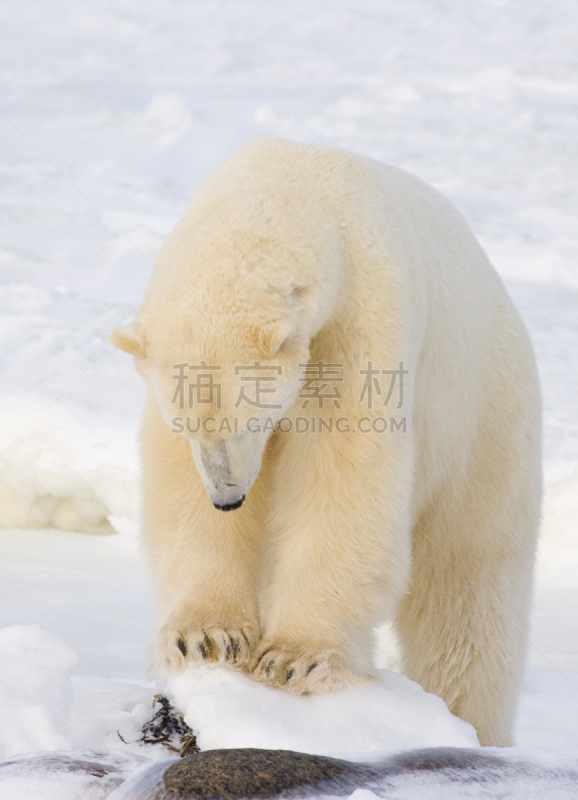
(463, 625)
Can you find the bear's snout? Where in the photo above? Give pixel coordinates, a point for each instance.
(230, 506)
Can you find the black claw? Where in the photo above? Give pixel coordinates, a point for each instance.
(228, 651)
(312, 667)
(246, 639)
(182, 646)
(264, 653)
(269, 666)
(289, 675)
(235, 647)
(202, 649)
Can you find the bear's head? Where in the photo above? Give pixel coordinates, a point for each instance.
(247, 278)
(224, 367)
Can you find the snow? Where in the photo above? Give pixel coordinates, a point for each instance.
(231, 710)
(63, 776)
(112, 114)
(35, 695)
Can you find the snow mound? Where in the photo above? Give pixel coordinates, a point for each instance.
(35, 690)
(228, 709)
(51, 478)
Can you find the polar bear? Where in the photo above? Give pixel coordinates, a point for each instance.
(287, 512)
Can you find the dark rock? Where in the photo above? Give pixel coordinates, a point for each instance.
(232, 774)
(60, 763)
(452, 760)
(245, 774)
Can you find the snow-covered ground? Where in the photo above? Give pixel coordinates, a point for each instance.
(112, 113)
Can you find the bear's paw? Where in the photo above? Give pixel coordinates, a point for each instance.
(179, 643)
(301, 670)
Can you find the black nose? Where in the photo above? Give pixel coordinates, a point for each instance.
(230, 506)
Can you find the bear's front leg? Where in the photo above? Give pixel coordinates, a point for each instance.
(339, 558)
(204, 561)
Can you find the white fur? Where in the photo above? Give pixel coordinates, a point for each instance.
(290, 253)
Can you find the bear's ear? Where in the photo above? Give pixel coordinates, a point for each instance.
(128, 338)
(274, 334)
